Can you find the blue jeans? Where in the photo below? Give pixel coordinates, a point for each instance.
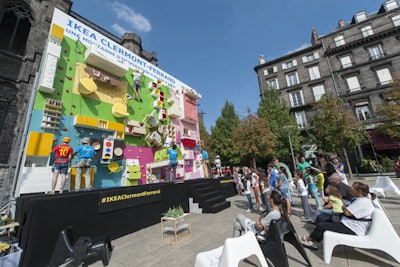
(265, 202)
(314, 193)
(319, 212)
(250, 202)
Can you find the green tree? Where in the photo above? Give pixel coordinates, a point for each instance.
(335, 129)
(389, 112)
(253, 139)
(204, 135)
(221, 142)
(279, 120)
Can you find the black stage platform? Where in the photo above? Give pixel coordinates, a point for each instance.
(114, 212)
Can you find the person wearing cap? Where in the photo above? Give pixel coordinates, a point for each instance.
(61, 164)
(85, 154)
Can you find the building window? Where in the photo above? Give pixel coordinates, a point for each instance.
(361, 16)
(384, 76)
(14, 28)
(270, 70)
(289, 64)
(339, 40)
(362, 111)
(314, 73)
(396, 20)
(318, 92)
(296, 99)
(292, 79)
(301, 119)
(391, 4)
(367, 31)
(273, 83)
(310, 57)
(346, 62)
(353, 84)
(376, 52)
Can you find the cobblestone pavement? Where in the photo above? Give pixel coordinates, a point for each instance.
(145, 248)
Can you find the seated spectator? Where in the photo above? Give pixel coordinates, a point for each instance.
(261, 225)
(333, 202)
(356, 219)
(344, 189)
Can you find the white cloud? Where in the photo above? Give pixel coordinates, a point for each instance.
(119, 29)
(133, 19)
(302, 46)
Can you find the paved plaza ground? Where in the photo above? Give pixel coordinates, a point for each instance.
(145, 248)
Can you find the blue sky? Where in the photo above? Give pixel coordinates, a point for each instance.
(214, 45)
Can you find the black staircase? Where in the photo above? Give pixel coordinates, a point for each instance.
(209, 196)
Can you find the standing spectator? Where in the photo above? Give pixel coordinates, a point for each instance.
(237, 180)
(303, 164)
(339, 167)
(272, 175)
(397, 167)
(312, 187)
(206, 160)
(173, 162)
(320, 181)
(301, 187)
(265, 188)
(283, 185)
(61, 164)
(85, 155)
(327, 167)
(218, 166)
(255, 182)
(247, 192)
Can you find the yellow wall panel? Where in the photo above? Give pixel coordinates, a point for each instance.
(39, 144)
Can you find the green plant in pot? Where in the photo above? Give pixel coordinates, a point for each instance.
(174, 212)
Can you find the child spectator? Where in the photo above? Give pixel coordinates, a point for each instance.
(312, 187)
(301, 187)
(265, 188)
(320, 183)
(247, 192)
(283, 186)
(333, 202)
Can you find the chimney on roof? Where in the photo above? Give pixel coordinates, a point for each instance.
(261, 60)
(314, 36)
(341, 23)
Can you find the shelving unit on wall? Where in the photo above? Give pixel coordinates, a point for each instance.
(89, 122)
(52, 114)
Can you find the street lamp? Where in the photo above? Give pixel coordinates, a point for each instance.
(288, 127)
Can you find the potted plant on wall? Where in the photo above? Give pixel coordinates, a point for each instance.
(174, 212)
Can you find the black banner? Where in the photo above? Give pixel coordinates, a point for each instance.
(121, 198)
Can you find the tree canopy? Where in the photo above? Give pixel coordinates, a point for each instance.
(279, 120)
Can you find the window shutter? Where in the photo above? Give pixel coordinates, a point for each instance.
(304, 59)
(294, 62)
(316, 55)
(275, 69)
(265, 72)
(284, 66)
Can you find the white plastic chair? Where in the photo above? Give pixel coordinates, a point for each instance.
(381, 236)
(232, 252)
(384, 184)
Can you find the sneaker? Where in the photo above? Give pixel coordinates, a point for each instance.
(248, 210)
(51, 192)
(60, 192)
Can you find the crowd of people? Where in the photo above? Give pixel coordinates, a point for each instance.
(327, 199)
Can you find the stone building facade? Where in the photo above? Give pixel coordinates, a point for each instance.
(24, 29)
(356, 62)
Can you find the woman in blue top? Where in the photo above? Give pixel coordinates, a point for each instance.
(312, 186)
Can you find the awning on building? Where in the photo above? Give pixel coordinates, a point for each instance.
(383, 142)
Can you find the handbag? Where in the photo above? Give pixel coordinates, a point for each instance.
(335, 217)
